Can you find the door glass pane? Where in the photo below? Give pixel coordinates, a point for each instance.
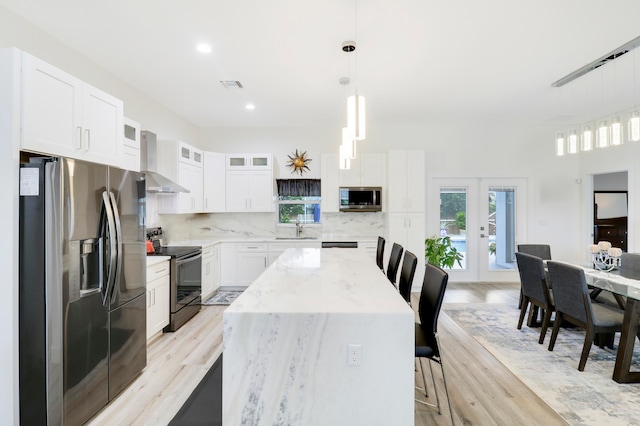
(453, 220)
(502, 229)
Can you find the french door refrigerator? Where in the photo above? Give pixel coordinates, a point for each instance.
(82, 298)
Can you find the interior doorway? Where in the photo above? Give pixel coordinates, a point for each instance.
(610, 209)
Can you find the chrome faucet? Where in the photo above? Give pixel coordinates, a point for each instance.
(298, 228)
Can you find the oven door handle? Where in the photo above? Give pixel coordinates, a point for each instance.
(188, 259)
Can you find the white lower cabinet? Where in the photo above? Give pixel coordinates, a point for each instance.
(210, 270)
(157, 297)
(241, 263)
(251, 261)
(228, 264)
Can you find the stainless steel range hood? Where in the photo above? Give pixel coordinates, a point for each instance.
(156, 182)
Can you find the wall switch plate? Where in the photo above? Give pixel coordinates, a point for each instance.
(354, 354)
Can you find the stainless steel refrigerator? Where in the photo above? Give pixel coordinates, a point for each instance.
(82, 298)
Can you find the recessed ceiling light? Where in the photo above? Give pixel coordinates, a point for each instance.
(203, 48)
(250, 107)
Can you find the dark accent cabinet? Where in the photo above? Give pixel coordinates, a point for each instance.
(615, 231)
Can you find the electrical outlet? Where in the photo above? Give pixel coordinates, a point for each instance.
(354, 354)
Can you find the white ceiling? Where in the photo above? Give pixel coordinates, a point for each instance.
(419, 61)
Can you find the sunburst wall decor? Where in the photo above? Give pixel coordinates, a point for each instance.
(298, 162)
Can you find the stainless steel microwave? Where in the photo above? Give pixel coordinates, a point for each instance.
(360, 199)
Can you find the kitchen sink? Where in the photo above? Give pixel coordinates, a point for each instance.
(296, 238)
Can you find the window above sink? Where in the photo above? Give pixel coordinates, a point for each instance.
(302, 210)
(298, 202)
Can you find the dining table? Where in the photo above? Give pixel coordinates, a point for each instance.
(623, 285)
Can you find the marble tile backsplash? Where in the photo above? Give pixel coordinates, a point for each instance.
(353, 224)
(246, 225)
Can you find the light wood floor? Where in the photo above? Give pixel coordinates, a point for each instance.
(481, 389)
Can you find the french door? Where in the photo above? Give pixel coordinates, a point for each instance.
(484, 217)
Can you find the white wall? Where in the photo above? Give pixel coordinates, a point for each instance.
(9, 134)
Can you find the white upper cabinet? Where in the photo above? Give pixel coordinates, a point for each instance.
(61, 115)
(406, 183)
(214, 176)
(367, 169)
(330, 176)
(249, 183)
(181, 163)
(249, 161)
(131, 146)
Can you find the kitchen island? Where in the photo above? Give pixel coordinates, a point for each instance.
(321, 337)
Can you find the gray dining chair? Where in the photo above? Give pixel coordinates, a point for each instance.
(535, 291)
(543, 251)
(573, 304)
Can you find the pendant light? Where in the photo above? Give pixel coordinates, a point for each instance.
(348, 144)
(587, 138)
(345, 162)
(572, 142)
(616, 131)
(355, 103)
(602, 136)
(356, 116)
(634, 127)
(560, 146)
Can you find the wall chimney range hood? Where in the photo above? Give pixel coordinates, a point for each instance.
(156, 182)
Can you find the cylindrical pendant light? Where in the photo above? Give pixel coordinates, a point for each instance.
(634, 127)
(572, 142)
(356, 116)
(587, 139)
(349, 143)
(602, 136)
(345, 162)
(616, 131)
(560, 146)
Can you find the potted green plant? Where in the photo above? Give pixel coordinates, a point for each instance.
(440, 252)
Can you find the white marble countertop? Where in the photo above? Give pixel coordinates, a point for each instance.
(154, 260)
(333, 280)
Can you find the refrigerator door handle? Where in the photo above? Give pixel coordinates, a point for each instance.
(116, 216)
(111, 274)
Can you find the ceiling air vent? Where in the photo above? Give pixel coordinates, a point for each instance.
(231, 84)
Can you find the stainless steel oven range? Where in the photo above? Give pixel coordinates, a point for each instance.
(185, 278)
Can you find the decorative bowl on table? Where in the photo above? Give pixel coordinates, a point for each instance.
(605, 257)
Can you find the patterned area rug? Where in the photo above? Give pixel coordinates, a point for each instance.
(589, 397)
(223, 297)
